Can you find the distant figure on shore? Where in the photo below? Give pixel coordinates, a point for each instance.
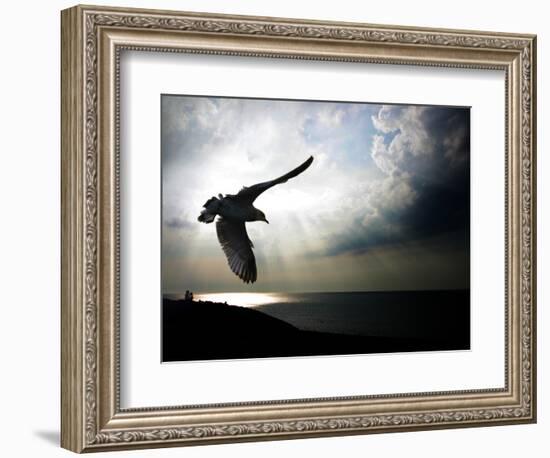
(188, 296)
(233, 211)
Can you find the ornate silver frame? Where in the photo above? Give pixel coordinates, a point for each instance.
(92, 38)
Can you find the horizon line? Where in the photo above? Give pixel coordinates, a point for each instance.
(318, 292)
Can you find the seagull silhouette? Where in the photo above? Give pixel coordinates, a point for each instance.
(233, 211)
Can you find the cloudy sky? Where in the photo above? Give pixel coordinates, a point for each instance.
(384, 206)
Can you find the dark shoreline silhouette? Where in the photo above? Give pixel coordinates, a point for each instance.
(202, 330)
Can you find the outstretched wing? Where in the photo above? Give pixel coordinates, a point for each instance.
(237, 248)
(249, 195)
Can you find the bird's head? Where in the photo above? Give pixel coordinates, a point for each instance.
(260, 216)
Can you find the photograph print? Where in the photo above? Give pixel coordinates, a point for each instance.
(310, 228)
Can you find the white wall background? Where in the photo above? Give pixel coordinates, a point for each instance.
(29, 241)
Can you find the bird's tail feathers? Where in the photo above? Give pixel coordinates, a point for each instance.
(210, 201)
(206, 217)
(210, 210)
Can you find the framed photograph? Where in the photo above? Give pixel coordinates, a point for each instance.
(377, 183)
(278, 228)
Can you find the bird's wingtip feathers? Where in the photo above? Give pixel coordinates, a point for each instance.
(306, 164)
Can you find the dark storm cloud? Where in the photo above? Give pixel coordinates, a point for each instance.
(424, 153)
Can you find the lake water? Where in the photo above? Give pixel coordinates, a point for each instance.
(418, 314)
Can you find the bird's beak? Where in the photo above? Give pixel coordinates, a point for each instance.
(266, 221)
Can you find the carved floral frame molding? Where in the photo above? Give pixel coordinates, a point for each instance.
(92, 39)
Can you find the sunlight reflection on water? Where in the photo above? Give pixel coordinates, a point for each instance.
(244, 299)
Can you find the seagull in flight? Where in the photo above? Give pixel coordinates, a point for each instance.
(233, 211)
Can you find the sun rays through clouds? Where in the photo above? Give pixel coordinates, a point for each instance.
(384, 204)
